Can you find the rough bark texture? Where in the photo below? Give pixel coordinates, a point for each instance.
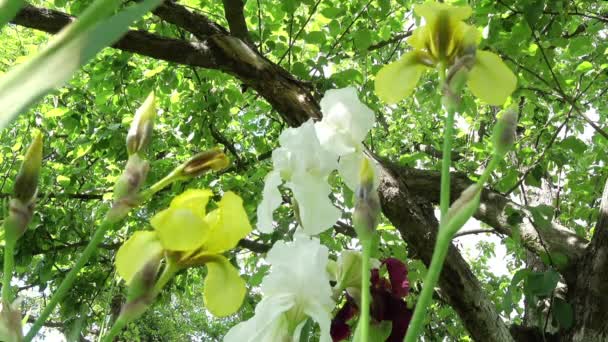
(559, 239)
(590, 294)
(407, 194)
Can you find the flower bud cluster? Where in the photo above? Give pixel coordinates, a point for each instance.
(21, 206)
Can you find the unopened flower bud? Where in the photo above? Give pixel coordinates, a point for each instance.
(26, 182)
(140, 133)
(367, 202)
(10, 322)
(132, 178)
(141, 291)
(19, 216)
(463, 208)
(205, 161)
(504, 131)
(465, 198)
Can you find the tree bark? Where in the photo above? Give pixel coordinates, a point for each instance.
(590, 294)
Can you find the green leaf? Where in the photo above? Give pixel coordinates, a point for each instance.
(55, 112)
(540, 283)
(533, 10)
(362, 39)
(332, 12)
(65, 54)
(563, 313)
(584, 66)
(8, 9)
(542, 215)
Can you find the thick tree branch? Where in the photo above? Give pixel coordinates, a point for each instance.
(589, 295)
(233, 11)
(140, 42)
(558, 239)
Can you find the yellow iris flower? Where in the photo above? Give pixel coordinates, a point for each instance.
(187, 236)
(443, 39)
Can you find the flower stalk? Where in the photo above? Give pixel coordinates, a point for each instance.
(365, 218)
(457, 215)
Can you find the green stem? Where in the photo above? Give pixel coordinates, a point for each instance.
(441, 249)
(442, 243)
(115, 330)
(9, 264)
(365, 290)
(169, 179)
(439, 254)
(444, 200)
(67, 282)
(489, 169)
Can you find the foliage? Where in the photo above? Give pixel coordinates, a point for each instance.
(557, 50)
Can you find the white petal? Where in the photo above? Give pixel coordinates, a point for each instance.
(334, 138)
(267, 325)
(305, 153)
(317, 212)
(343, 110)
(271, 199)
(299, 268)
(349, 166)
(322, 316)
(297, 286)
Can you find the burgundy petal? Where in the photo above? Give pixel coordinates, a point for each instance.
(398, 312)
(340, 330)
(397, 272)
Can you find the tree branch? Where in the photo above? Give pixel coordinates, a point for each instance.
(558, 239)
(233, 11)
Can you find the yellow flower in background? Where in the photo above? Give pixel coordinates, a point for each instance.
(444, 38)
(189, 236)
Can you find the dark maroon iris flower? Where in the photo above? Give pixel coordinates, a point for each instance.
(388, 303)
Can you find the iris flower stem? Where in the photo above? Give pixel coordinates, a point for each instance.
(9, 264)
(442, 243)
(365, 290)
(68, 281)
(439, 254)
(119, 324)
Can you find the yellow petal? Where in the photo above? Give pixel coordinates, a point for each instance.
(397, 80)
(419, 38)
(431, 10)
(470, 35)
(224, 289)
(228, 224)
(444, 28)
(180, 229)
(195, 199)
(142, 246)
(491, 80)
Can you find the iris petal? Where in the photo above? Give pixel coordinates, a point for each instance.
(195, 199)
(397, 80)
(180, 229)
(224, 288)
(490, 79)
(134, 254)
(228, 224)
(431, 10)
